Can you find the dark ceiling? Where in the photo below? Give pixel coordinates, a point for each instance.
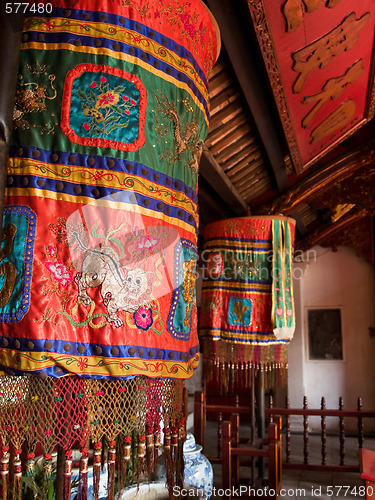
(246, 167)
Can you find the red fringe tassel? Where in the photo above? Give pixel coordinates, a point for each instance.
(111, 469)
(96, 466)
(17, 476)
(140, 456)
(68, 475)
(5, 471)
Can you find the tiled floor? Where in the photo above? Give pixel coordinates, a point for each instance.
(308, 485)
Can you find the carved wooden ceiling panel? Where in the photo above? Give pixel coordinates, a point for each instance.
(251, 163)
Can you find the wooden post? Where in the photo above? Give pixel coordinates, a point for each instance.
(287, 432)
(271, 407)
(324, 432)
(279, 423)
(199, 417)
(360, 424)
(305, 433)
(252, 408)
(219, 434)
(185, 404)
(260, 415)
(226, 461)
(342, 433)
(60, 466)
(273, 457)
(235, 442)
(253, 421)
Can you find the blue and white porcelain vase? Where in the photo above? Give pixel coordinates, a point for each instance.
(198, 469)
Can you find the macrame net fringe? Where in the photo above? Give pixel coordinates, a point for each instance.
(118, 422)
(232, 366)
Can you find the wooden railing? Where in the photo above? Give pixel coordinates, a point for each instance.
(223, 412)
(247, 414)
(269, 449)
(323, 413)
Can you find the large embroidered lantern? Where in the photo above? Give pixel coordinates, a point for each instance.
(247, 311)
(98, 313)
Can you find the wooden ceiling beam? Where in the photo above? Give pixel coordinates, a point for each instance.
(221, 132)
(242, 143)
(239, 49)
(247, 166)
(321, 180)
(231, 142)
(222, 100)
(253, 151)
(211, 171)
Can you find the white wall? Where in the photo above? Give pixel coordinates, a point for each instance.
(335, 279)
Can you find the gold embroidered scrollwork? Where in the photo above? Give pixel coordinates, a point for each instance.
(7, 268)
(189, 287)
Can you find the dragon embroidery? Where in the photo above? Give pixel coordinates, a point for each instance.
(186, 137)
(31, 97)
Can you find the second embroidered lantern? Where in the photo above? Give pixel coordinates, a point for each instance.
(247, 311)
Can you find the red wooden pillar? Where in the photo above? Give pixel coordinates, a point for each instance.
(273, 458)
(199, 417)
(235, 442)
(226, 459)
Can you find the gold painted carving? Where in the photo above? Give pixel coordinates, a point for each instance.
(319, 181)
(294, 11)
(338, 119)
(340, 210)
(332, 89)
(319, 54)
(257, 12)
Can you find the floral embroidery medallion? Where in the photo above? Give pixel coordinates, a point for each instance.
(104, 106)
(60, 272)
(143, 318)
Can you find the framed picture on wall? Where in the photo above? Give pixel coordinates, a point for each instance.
(324, 330)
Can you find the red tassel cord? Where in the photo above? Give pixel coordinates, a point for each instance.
(124, 464)
(168, 460)
(17, 476)
(31, 473)
(47, 474)
(157, 444)
(141, 455)
(111, 469)
(180, 466)
(150, 452)
(174, 443)
(97, 466)
(68, 474)
(5, 471)
(83, 470)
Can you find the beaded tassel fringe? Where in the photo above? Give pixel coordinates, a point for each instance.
(114, 422)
